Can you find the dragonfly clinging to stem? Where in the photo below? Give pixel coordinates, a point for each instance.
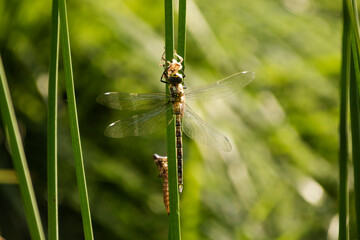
(159, 104)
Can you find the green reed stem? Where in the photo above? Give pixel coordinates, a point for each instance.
(182, 30)
(19, 160)
(354, 19)
(73, 119)
(355, 126)
(343, 135)
(53, 223)
(174, 219)
(354, 102)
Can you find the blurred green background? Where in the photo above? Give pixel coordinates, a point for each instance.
(280, 180)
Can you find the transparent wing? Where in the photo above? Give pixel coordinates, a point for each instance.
(139, 125)
(221, 88)
(202, 132)
(131, 101)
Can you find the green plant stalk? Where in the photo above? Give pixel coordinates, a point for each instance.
(355, 126)
(354, 19)
(343, 136)
(174, 219)
(19, 160)
(73, 119)
(182, 30)
(53, 224)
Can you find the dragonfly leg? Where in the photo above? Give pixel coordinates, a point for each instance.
(179, 57)
(163, 76)
(163, 61)
(183, 75)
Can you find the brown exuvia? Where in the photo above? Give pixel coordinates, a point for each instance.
(162, 165)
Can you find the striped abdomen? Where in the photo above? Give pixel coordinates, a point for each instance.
(179, 148)
(178, 101)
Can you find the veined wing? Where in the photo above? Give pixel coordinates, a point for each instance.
(221, 88)
(139, 125)
(131, 101)
(202, 132)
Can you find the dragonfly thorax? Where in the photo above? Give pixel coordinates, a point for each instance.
(175, 78)
(177, 93)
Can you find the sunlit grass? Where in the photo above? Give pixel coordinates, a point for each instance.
(350, 76)
(181, 41)
(73, 120)
(52, 144)
(343, 136)
(174, 218)
(19, 160)
(282, 126)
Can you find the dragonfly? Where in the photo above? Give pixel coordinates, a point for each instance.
(162, 165)
(158, 105)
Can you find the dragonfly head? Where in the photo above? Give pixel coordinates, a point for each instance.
(175, 78)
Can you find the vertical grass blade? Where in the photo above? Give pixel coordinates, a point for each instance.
(343, 136)
(73, 119)
(354, 20)
(354, 102)
(174, 219)
(355, 126)
(182, 30)
(53, 229)
(19, 160)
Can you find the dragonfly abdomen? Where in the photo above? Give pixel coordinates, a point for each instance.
(179, 151)
(178, 101)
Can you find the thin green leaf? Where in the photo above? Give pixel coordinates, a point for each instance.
(73, 119)
(182, 30)
(343, 136)
(53, 227)
(354, 19)
(174, 220)
(19, 160)
(355, 126)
